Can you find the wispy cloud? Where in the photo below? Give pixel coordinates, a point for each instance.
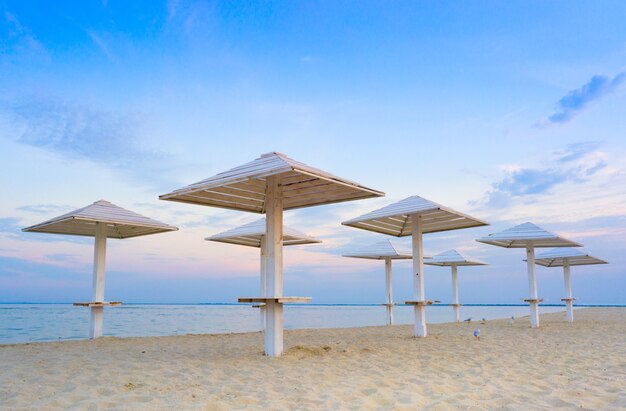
(575, 164)
(575, 151)
(60, 257)
(577, 100)
(99, 41)
(9, 225)
(19, 39)
(44, 208)
(77, 131)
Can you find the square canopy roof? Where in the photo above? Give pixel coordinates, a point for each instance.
(250, 235)
(558, 256)
(243, 188)
(121, 223)
(524, 234)
(381, 251)
(452, 257)
(394, 218)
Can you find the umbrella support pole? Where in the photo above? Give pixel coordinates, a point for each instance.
(569, 300)
(262, 308)
(274, 279)
(532, 286)
(99, 259)
(455, 294)
(418, 275)
(388, 282)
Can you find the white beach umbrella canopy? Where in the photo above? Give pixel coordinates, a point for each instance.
(558, 257)
(271, 184)
(415, 216)
(453, 259)
(245, 187)
(387, 251)
(382, 250)
(567, 257)
(528, 236)
(101, 220)
(528, 233)
(252, 234)
(118, 222)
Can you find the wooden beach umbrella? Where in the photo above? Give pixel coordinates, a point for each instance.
(387, 251)
(453, 259)
(528, 236)
(415, 216)
(269, 185)
(100, 220)
(253, 235)
(566, 257)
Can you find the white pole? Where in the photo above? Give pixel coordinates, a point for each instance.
(99, 258)
(389, 291)
(418, 275)
(274, 246)
(569, 303)
(263, 280)
(532, 286)
(455, 293)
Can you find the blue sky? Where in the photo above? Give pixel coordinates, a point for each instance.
(510, 112)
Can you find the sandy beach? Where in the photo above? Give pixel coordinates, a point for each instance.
(560, 365)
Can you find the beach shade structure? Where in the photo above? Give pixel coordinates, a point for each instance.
(415, 216)
(269, 185)
(253, 235)
(566, 257)
(100, 220)
(453, 259)
(387, 251)
(529, 236)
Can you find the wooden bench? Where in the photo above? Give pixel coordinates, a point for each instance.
(98, 304)
(419, 303)
(279, 300)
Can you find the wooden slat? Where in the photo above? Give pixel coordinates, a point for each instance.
(231, 203)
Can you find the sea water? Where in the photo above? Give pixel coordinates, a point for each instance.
(22, 323)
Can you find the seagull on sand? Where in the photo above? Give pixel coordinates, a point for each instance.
(467, 320)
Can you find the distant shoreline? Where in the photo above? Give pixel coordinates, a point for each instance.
(339, 304)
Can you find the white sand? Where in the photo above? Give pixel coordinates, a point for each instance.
(560, 365)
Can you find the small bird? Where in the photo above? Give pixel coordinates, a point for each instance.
(483, 321)
(511, 321)
(477, 334)
(467, 320)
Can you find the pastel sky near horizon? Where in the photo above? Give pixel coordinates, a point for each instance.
(510, 112)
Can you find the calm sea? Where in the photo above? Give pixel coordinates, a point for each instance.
(20, 323)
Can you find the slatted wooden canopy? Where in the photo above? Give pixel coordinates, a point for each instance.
(382, 250)
(244, 187)
(558, 256)
(522, 235)
(250, 235)
(394, 218)
(120, 223)
(452, 257)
